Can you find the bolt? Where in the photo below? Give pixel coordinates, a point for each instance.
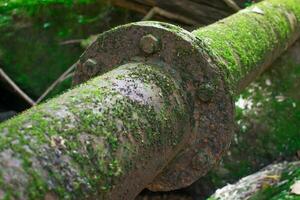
(90, 67)
(149, 44)
(202, 159)
(198, 160)
(205, 92)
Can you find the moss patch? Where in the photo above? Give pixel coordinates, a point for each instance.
(247, 40)
(80, 144)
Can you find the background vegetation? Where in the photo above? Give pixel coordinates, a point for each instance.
(40, 39)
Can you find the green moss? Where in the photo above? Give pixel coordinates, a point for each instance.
(267, 117)
(243, 42)
(82, 143)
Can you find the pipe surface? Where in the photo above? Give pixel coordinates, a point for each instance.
(246, 43)
(161, 118)
(111, 134)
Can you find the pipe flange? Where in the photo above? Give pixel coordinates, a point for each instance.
(209, 99)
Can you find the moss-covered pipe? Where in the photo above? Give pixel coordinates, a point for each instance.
(105, 139)
(267, 125)
(129, 128)
(239, 48)
(260, 138)
(245, 44)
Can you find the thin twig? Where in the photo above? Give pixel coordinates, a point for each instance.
(169, 15)
(63, 77)
(232, 5)
(70, 75)
(15, 87)
(130, 5)
(150, 14)
(75, 41)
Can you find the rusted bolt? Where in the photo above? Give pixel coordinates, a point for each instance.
(202, 158)
(205, 92)
(149, 44)
(90, 67)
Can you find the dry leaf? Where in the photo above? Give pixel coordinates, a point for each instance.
(257, 10)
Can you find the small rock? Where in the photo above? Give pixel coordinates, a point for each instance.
(295, 188)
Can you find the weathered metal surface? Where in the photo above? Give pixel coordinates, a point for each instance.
(246, 43)
(202, 60)
(211, 118)
(106, 139)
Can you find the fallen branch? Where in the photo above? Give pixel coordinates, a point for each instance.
(63, 77)
(75, 41)
(169, 15)
(16, 88)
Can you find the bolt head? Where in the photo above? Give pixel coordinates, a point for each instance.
(205, 92)
(201, 159)
(90, 67)
(149, 44)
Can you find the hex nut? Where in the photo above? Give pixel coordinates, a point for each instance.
(205, 92)
(90, 67)
(149, 44)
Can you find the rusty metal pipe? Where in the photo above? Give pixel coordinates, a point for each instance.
(158, 114)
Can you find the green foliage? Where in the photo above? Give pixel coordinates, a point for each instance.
(32, 33)
(249, 3)
(9, 5)
(11, 8)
